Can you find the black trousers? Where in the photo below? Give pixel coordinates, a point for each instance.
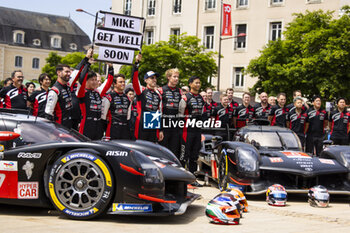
(148, 135)
(93, 129)
(172, 140)
(191, 145)
(340, 141)
(314, 142)
(120, 132)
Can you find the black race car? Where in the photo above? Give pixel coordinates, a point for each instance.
(264, 155)
(44, 164)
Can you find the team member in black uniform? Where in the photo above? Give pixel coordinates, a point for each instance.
(297, 119)
(207, 110)
(191, 107)
(279, 112)
(117, 110)
(171, 96)
(148, 99)
(39, 97)
(244, 112)
(15, 95)
(316, 122)
(131, 94)
(339, 123)
(297, 93)
(224, 113)
(210, 100)
(90, 99)
(262, 109)
(231, 102)
(59, 100)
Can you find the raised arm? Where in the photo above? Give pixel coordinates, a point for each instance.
(78, 69)
(135, 76)
(106, 85)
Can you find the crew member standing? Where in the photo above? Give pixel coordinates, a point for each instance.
(224, 113)
(279, 112)
(148, 99)
(191, 107)
(339, 123)
(39, 97)
(171, 96)
(244, 112)
(117, 110)
(15, 95)
(297, 119)
(262, 109)
(90, 99)
(59, 100)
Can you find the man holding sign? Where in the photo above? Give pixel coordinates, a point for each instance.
(148, 105)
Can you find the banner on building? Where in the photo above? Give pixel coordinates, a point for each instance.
(117, 37)
(226, 25)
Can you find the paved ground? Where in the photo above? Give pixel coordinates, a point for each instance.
(297, 216)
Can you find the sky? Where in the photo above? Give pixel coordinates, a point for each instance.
(64, 8)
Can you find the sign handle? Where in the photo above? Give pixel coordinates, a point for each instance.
(93, 38)
(143, 34)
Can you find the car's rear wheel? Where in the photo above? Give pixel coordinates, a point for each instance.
(223, 171)
(80, 185)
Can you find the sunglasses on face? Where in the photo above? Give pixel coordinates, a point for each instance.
(153, 77)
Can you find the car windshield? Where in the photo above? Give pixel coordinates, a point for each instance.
(272, 139)
(43, 132)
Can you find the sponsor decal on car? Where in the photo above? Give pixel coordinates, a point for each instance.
(276, 160)
(28, 168)
(8, 165)
(28, 190)
(121, 207)
(296, 154)
(327, 161)
(116, 153)
(29, 155)
(80, 214)
(78, 155)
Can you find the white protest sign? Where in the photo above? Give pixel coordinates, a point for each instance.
(115, 55)
(123, 23)
(125, 40)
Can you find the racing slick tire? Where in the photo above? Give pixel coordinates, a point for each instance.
(223, 178)
(80, 185)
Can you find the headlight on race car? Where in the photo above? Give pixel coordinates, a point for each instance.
(152, 174)
(247, 160)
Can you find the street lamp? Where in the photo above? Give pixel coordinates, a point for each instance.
(81, 10)
(219, 62)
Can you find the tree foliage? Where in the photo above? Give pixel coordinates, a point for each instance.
(71, 59)
(183, 52)
(314, 57)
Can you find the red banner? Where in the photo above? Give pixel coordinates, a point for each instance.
(227, 25)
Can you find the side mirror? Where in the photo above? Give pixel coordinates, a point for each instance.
(8, 135)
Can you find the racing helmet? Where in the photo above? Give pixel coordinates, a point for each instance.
(241, 199)
(276, 195)
(222, 209)
(318, 196)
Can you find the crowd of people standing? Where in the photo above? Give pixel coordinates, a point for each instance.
(109, 110)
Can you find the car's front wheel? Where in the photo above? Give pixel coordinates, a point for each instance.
(223, 171)
(80, 185)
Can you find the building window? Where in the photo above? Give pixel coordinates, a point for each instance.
(149, 37)
(277, 1)
(275, 30)
(18, 37)
(175, 31)
(238, 77)
(240, 42)
(36, 42)
(127, 8)
(35, 63)
(242, 3)
(56, 42)
(18, 61)
(210, 4)
(73, 46)
(313, 1)
(151, 7)
(209, 37)
(177, 6)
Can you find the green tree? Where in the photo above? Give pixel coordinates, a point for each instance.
(183, 52)
(71, 59)
(314, 56)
